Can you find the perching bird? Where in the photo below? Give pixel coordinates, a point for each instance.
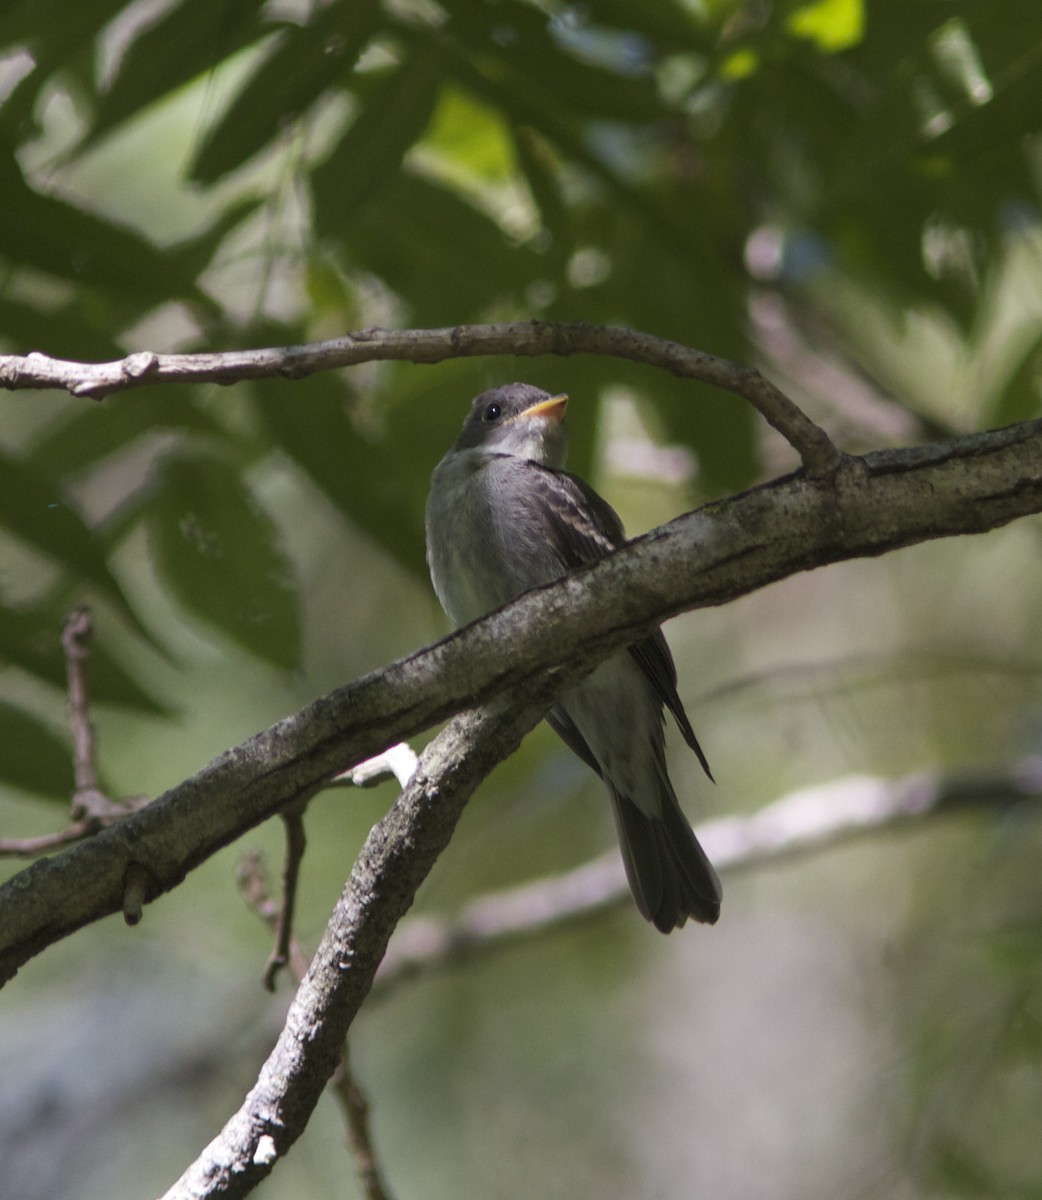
(503, 517)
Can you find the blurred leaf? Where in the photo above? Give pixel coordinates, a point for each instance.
(1021, 398)
(34, 757)
(192, 37)
(675, 26)
(958, 1171)
(302, 63)
(89, 434)
(471, 138)
(196, 252)
(63, 332)
(40, 513)
(428, 240)
(52, 31)
(541, 171)
(370, 482)
(32, 641)
(512, 37)
(370, 153)
(831, 24)
(218, 552)
(58, 237)
(719, 427)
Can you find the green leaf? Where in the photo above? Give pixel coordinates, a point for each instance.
(39, 512)
(193, 37)
(1021, 398)
(541, 170)
(369, 155)
(512, 39)
(32, 642)
(831, 24)
(33, 756)
(67, 331)
(218, 553)
(718, 426)
(89, 434)
(374, 483)
(54, 32)
(68, 241)
(303, 62)
(428, 241)
(675, 26)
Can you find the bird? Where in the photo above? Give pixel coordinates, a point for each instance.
(503, 516)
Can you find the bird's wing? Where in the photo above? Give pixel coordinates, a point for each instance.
(579, 524)
(654, 659)
(565, 728)
(583, 527)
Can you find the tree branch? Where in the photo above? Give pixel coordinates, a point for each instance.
(543, 642)
(798, 824)
(91, 808)
(394, 861)
(528, 339)
(344, 1085)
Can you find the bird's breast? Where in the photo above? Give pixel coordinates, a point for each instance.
(483, 547)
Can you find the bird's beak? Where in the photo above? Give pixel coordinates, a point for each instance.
(552, 407)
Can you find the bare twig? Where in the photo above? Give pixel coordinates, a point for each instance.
(397, 762)
(530, 339)
(296, 844)
(47, 843)
(355, 1107)
(800, 823)
(76, 643)
(91, 809)
(253, 884)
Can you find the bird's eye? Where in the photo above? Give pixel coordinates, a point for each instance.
(492, 412)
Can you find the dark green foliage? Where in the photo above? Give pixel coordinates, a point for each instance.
(233, 174)
(36, 757)
(219, 552)
(609, 163)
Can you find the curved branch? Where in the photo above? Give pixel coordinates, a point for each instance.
(530, 339)
(799, 823)
(541, 642)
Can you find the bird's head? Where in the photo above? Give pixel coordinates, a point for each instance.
(517, 419)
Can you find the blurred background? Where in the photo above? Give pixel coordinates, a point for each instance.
(843, 192)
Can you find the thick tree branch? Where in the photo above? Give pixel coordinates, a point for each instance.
(394, 861)
(542, 641)
(527, 339)
(344, 1084)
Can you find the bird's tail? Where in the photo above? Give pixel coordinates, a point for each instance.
(668, 871)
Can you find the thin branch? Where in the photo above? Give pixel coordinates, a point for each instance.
(801, 823)
(528, 339)
(91, 809)
(253, 884)
(397, 762)
(76, 643)
(356, 1109)
(550, 636)
(47, 843)
(296, 844)
(394, 861)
